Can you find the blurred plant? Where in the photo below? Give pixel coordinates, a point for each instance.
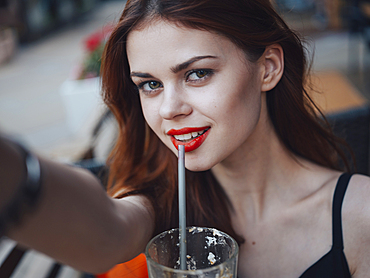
(94, 45)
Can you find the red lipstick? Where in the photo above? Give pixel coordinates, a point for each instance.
(193, 143)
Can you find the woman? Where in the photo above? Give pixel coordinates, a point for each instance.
(227, 79)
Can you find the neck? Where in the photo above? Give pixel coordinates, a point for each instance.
(257, 175)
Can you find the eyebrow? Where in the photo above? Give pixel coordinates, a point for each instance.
(187, 63)
(176, 68)
(141, 75)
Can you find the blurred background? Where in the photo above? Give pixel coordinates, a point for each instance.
(49, 78)
(49, 71)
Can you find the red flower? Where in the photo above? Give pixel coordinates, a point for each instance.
(94, 40)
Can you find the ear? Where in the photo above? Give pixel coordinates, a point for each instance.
(272, 62)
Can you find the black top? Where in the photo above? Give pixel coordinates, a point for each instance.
(333, 264)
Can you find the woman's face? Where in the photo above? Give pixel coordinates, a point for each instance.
(196, 88)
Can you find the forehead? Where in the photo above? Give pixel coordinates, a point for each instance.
(167, 43)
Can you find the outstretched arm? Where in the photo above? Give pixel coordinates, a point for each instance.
(75, 221)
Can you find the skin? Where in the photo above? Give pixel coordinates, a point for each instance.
(282, 203)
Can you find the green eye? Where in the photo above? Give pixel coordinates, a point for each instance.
(148, 87)
(201, 73)
(154, 85)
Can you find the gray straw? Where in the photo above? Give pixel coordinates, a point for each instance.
(182, 206)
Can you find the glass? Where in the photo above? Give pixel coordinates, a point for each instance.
(210, 253)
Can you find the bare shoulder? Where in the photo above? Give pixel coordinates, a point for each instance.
(356, 205)
(356, 225)
(358, 194)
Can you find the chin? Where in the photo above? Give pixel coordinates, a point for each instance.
(197, 166)
(193, 163)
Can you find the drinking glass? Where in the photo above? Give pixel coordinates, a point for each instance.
(210, 253)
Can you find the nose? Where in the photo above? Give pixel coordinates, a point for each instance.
(173, 104)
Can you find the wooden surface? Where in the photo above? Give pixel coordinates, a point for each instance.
(333, 92)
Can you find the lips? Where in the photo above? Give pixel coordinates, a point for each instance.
(191, 137)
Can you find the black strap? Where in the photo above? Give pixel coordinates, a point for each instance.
(340, 190)
(10, 263)
(27, 196)
(54, 271)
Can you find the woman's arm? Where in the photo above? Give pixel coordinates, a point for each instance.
(75, 221)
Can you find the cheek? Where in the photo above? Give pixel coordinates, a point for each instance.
(241, 99)
(243, 116)
(242, 109)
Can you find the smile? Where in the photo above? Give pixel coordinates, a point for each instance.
(188, 136)
(191, 137)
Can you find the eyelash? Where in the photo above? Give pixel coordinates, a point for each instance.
(208, 73)
(142, 84)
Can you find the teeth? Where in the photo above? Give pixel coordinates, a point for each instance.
(188, 136)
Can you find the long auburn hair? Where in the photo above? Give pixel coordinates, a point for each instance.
(141, 164)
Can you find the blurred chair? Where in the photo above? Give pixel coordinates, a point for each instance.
(358, 17)
(358, 22)
(347, 111)
(354, 126)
